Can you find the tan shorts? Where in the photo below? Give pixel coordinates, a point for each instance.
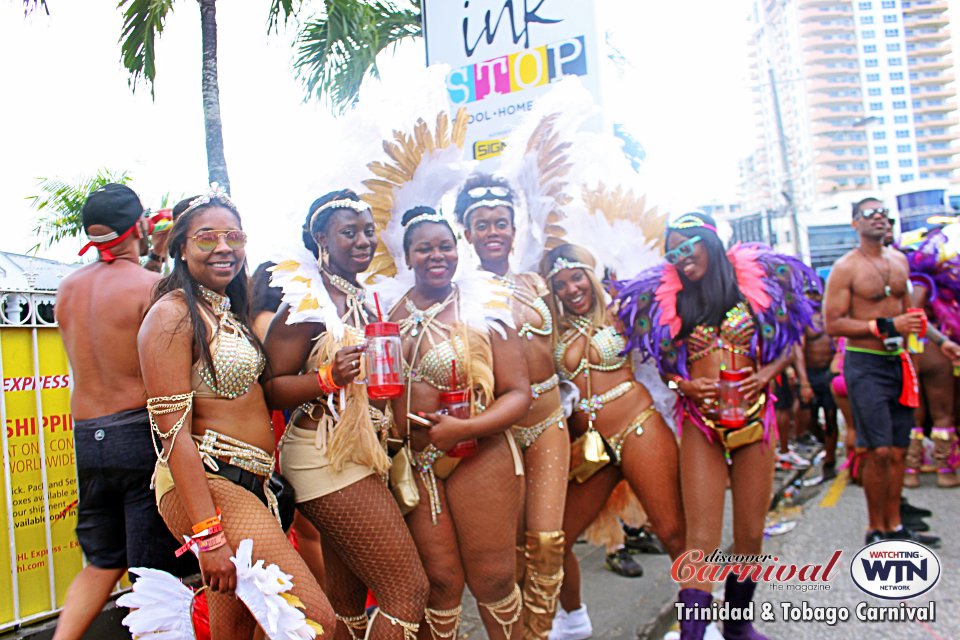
(308, 469)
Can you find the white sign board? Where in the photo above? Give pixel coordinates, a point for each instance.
(504, 54)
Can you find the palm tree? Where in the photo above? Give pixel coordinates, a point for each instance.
(61, 202)
(338, 48)
(142, 24)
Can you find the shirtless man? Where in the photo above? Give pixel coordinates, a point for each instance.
(867, 301)
(99, 309)
(813, 371)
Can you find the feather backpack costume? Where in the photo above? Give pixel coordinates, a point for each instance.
(935, 265)
(773, 286)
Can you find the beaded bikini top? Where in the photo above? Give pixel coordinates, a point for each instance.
(435, 366)
(531, 294)
(236, 360)
(734, 335)
(606, 341)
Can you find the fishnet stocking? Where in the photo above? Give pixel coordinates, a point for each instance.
(244, 516)
(483, 493)
(362, 525)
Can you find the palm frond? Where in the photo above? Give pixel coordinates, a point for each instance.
(60, 204)
(289, 8)
(142, 23)
(336, 50)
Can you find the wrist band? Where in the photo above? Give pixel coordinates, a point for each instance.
(209, 544)
(154, 257)
(325, 379)
(939, 342)
(206, 524)
(886, 328)
(874, 329)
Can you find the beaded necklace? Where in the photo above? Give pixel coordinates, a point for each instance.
(236, 361)
(355, 297)
(536, 303)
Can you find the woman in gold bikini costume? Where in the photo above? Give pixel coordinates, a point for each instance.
(201, 364)
(332, 452)
(644, 450)
(485, 207)
(458, 525)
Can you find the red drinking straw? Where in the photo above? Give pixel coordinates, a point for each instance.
(453, 364)
(376, 301)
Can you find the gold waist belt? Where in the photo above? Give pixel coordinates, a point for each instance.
(213, 445)
(537, 389)
(593, 404)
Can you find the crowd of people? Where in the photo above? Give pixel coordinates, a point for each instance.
(466, 431)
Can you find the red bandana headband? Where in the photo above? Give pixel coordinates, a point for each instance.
(106, 242)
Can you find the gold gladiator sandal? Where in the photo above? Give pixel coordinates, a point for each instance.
(356, 625)
(448, 619)
(944, 447)
(506, 612)
(914, 460)
(410, 629)
(541, 586)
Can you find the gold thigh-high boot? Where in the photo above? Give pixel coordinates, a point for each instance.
(541, 584)
(944, 448)
(443, 623)
(506, 612)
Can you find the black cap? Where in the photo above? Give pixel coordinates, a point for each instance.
(113, 205)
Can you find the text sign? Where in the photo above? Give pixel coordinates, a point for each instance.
(504, 54)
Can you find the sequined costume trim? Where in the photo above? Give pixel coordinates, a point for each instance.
(593, 404)
(522, 294)
(526, 436)
(537, 389)
(734, 335)
(237, 362)
(606, 340)
(635, 426)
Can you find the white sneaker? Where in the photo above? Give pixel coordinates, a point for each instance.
(571, 625)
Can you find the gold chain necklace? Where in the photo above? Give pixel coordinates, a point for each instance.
(887, 292)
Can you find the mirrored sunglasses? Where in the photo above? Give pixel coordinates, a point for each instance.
(207, 241)
(873, 214)
(683, 250)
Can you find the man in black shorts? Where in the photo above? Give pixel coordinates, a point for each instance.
(866, 301)
(99, 310)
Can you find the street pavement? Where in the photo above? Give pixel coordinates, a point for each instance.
(828, 517)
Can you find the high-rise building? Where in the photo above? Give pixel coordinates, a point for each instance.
(850, 96)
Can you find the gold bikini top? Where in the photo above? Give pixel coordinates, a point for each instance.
(529, 289)
(606, 341)
(237, 361)
(733, 335)
(435, 365)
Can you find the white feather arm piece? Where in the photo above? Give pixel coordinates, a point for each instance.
(262, 589)
(304, 291)
(162, 607)
(484, 301)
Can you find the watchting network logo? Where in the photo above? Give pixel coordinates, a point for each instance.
(895, 569)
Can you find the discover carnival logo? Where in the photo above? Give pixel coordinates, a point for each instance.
(895, 569)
